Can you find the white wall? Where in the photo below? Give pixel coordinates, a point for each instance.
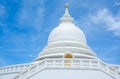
(70, 74)
(8, 76)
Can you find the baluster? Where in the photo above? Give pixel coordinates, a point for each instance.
(81, 63)
(63, 63)
(0, 70)
(4, 70)
(7, 69)
(45, 63)
(16, 68)
(90, 64)
(10, 69)
(54, 65)
(72, 63)
(21, 67)
(13, 69)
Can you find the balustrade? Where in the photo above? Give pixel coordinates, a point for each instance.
(61, 63)
(14, 68)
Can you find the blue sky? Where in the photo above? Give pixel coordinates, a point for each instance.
(26, 24)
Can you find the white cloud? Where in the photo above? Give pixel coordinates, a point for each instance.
(31, 14)
(2, 61)
(112, 23)
(117, 3)
(2, 12)
(3, 16)
(31, 55)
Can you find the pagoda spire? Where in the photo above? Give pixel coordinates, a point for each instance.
(66, 17)
(66, 10)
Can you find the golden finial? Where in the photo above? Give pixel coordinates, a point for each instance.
(66, 5)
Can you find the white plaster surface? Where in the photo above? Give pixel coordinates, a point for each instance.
(8, 76)
(70, 74)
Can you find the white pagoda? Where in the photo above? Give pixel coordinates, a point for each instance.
(66, 56)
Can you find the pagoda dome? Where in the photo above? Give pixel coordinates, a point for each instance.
(66, 31)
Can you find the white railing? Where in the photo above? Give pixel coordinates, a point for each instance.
(69, 63)
(14, 68)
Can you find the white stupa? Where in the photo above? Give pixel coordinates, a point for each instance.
(66, 56)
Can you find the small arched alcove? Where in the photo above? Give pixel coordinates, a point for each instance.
(68, 55)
